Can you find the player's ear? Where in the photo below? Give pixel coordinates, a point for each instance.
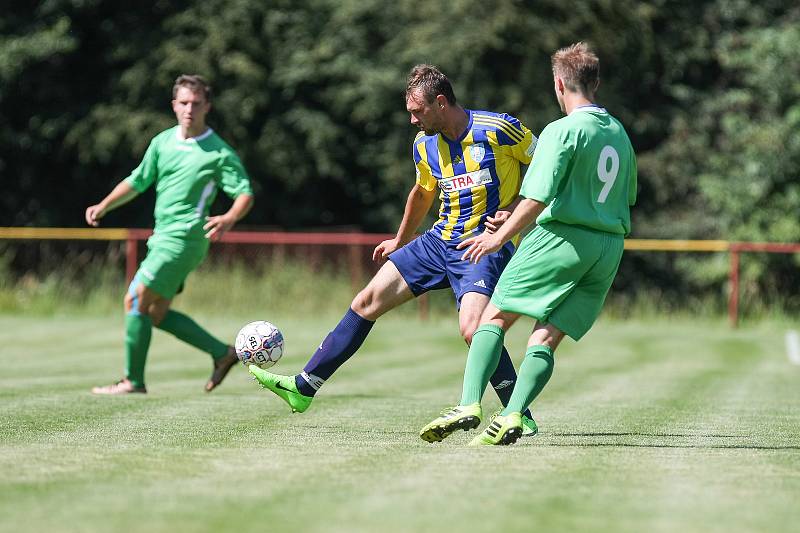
(441, 101)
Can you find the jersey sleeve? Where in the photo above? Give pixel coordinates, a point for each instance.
(145, 174)
(515, 138)
(523, 150)
(425, 177)
(551, 161)
(233, 178)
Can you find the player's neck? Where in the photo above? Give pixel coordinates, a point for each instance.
(457, 122)
(575, 100)
(195, 130)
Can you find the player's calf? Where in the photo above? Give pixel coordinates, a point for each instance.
(222, 366)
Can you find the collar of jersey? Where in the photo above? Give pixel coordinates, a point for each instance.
(200, 137)
(589, 108)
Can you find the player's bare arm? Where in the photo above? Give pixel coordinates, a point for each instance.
(216, 226)
(121, 194)
(418, 204)
(487, 243)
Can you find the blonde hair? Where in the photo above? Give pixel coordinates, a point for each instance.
(578, 66)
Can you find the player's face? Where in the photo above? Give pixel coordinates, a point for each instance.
(190, 108)
(424, 115)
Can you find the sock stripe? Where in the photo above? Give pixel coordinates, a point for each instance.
(315, 382)
(491, 328)
(539, 348)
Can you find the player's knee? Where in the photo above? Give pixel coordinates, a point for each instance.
(156, 316)
(135, 305)
(364, 302)
(467, 329)
(367, 304)
(127, 302)
(549, 336)
(141, 309)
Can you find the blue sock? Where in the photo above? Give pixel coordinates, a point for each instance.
(338, 346)
(504, 379)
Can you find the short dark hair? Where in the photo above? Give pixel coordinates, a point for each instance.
(578, 66)
(193, 82)
(431, 82)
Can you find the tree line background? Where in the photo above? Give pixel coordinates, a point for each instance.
(310, 94)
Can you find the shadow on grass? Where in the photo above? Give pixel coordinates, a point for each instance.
(687, 446)
(659, 445)
(632, 434)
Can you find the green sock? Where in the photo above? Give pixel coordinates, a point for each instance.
(190, 332)
(484, 354)
(138, 330)
(536, 369)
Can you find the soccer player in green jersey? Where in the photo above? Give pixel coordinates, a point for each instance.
(187, 163)
(579, 191)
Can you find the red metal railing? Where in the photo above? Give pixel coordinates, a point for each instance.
(356, 240)
(737, 248)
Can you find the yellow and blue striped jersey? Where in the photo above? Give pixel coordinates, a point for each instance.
(477, 174)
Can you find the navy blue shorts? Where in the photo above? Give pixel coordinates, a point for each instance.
(428, 263)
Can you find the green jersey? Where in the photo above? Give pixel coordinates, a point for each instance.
(584, 168)
(187, 173)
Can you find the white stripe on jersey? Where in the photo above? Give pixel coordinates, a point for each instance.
(209, 188)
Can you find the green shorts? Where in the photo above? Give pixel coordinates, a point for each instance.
(165, 268)
(560, 274)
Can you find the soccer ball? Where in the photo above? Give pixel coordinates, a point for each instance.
(259, 343)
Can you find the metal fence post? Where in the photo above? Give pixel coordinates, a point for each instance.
(131, 259)
(733, 297)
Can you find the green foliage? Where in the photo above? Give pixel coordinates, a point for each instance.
(311, 95)
(728, 167)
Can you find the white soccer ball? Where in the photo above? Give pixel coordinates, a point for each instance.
(259, 343)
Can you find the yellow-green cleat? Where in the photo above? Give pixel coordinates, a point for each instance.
(464, 417)
(529, 427)
(502, 430)
(283, 386)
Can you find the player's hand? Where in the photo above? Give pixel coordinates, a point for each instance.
(93, 214)
(476, 247)
(493, 223)
(383, 250)
(217, 226)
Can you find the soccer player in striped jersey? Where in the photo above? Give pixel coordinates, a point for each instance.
(579, 192)
(187, 163)
(471, 160)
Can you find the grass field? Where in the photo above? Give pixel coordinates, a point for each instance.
(662, 425)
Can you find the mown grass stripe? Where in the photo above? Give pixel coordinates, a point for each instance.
(683, 426)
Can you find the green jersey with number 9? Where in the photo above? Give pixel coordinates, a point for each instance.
(584, 168)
